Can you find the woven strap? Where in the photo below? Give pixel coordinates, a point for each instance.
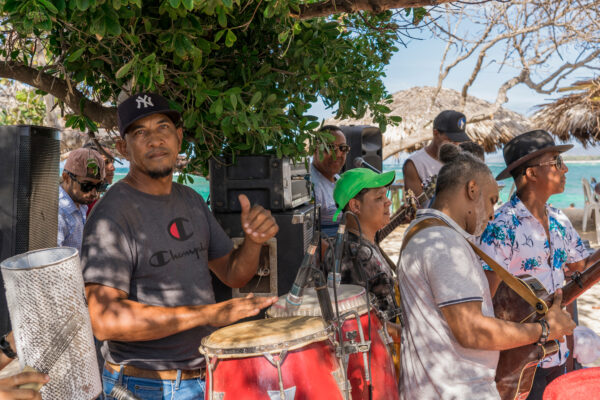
(516, 284)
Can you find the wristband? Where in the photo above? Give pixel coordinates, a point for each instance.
(545, 332)
(6, 348)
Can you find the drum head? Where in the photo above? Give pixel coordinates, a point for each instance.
(350, 297)
(272, 335)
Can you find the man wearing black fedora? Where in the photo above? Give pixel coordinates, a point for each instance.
(529, 236)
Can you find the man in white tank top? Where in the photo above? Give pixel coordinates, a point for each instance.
(422, 165)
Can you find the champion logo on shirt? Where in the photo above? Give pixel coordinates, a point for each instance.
(177, 229)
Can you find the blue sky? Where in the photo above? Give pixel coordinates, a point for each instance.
(417, 64)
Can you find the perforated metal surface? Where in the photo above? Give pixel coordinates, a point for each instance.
(43, 217)
(44, 288)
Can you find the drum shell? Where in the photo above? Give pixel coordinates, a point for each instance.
(383, 376)
(312, 370)
(351, 298)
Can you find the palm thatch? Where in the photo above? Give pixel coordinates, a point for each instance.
(491, 129)
(576, 115)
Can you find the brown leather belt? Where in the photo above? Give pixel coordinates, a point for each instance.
(165, 375)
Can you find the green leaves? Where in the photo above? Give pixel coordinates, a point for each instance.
(82, 5)
(76, 54)
(230, 38)
(49, 6)
(245, 74)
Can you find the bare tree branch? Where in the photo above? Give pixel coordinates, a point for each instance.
(326, 8)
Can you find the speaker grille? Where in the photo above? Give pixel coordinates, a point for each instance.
(43, 226)
(22, 187)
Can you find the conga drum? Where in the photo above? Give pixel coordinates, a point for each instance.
(353, 299)
(280, 358)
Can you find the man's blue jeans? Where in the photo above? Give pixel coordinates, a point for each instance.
(154, 389)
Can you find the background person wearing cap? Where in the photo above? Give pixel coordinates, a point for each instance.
(81, 179)
(324, 171)
(146, 255)
(528, 236)
(109, 164)
(424, 164)
(364, 193)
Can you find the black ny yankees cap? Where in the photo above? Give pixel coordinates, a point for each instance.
(142, 105)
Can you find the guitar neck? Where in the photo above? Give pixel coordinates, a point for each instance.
(397, 219)
(588, 278)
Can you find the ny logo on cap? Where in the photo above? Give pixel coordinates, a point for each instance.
(145, 101)
(461, 123)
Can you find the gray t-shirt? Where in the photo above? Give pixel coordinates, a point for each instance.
(156, 249)
(438, 268)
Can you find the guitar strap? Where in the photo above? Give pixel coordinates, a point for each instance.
(520, 287)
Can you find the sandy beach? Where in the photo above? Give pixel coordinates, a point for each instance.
(588, 305)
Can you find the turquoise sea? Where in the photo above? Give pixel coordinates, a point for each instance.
(573, 193)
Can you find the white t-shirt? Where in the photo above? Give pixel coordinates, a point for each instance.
(438, 268)
(426, 165)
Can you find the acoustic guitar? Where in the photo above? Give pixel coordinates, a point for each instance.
(408, 211)
(516, 367)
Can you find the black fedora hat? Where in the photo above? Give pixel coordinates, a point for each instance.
(526, 146)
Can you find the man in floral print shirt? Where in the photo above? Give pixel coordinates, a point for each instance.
(530, 237)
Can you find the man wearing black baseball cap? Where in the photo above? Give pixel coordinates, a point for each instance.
(529, 236)
(147, 251)
(423, 165)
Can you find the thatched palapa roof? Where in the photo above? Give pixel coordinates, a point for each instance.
(489, 129)
(576, 115)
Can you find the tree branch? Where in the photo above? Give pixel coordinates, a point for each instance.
(326, 8)
(106, 117)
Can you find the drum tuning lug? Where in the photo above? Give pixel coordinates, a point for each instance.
(351, 335)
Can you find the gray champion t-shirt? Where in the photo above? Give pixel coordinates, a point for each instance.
(156, 249)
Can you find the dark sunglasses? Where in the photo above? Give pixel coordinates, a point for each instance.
(344, 148)
(558, 162)
(89, 186)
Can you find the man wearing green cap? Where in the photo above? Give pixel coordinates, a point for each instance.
(364, 193)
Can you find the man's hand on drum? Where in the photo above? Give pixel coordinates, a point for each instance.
(257, 223)
(9, 387)
(233, 310)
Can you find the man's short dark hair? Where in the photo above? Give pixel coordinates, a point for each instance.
(330, 128)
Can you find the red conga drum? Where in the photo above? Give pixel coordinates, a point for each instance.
(352, 298)
(279, 358)
(583, 384)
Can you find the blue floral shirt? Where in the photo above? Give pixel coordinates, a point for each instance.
(518, 242)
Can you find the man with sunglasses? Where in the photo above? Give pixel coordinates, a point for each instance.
(82, 179)
(109, 163)
(327, 162)
(529, 236)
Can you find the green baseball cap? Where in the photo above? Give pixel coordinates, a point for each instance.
(353, 181)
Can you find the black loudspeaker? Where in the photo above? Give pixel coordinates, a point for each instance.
(29, 179)
(281, 256)
(366, 142)
(275, 183)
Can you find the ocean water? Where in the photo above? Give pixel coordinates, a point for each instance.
(573, 194)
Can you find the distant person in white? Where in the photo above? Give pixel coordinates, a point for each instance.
(422, 165)
(324, 171)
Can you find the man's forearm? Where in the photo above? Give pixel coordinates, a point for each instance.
(244, 263)
(495, 334)
(128, 321)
